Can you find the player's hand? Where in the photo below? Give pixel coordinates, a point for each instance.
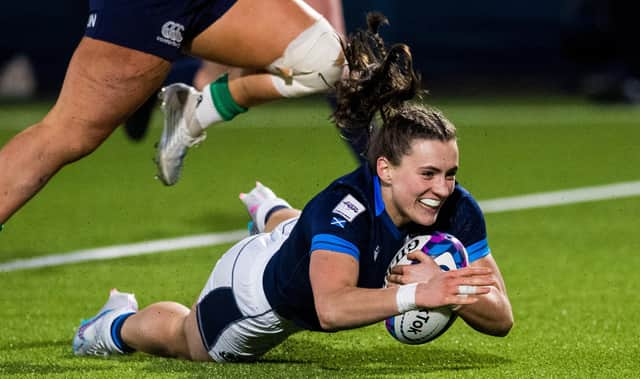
(422, 270)
(456, 287)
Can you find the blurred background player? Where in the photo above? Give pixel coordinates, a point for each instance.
(199, 73)
(323, 269)
(126, 55)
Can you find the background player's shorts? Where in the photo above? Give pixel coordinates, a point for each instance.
(158, 27)
(235, 319)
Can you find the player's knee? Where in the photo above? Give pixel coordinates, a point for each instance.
(60, 143)
(195, 350)
(312, 62)
(164, 332)
(82, 143)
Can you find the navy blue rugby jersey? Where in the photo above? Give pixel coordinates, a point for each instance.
(349, 217)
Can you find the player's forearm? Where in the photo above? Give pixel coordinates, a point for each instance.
(353, 307)
(490, 315)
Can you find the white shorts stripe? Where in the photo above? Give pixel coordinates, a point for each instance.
(260, 328)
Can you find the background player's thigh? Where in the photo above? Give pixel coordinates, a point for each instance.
(104, 84)
(253, 33)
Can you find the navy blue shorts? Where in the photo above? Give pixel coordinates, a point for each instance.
(158, 27)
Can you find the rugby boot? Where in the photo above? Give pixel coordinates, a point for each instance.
(181, 130)
(260, 201)
(93, 337)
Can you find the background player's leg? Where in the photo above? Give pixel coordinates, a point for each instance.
(301, 52)
(103, 85)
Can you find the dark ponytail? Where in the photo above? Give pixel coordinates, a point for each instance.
(382, 81)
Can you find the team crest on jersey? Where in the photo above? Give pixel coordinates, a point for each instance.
(171, 33)
(349, 208)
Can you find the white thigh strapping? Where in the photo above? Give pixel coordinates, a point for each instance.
(312, 62)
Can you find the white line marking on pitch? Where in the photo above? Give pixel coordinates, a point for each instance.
(547, 199)
(117, 251)
(536, 200)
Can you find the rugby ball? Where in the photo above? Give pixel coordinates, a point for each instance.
(423, 325)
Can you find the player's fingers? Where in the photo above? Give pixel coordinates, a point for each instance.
(398, 269)
(430, 262)
(402, 269)
(418, 256)
(460, 300)
(395, 278)
(475, 280)
(467, 290)
(471, 271)
(242, 195)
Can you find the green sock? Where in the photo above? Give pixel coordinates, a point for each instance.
(222, 100)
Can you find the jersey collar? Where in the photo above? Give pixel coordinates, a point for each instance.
(377, 196)
(380, 209)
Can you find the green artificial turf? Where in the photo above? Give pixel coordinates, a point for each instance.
(571, 270)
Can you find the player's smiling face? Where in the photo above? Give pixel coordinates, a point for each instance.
(416, 189)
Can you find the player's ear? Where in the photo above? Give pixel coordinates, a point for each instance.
(384, 169)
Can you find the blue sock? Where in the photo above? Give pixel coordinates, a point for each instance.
(116, 327)
(183, 71)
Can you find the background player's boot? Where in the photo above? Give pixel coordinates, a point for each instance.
(181, 130)
(138, 123)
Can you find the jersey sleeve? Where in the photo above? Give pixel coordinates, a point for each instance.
(339, 221)
(470, 227)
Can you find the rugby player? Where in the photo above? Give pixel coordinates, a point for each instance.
(323, 269)
(125, 56)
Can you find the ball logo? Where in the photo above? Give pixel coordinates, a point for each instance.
(423, 325)
(420, 321)
(411, 245)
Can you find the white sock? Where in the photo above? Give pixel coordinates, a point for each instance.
(265, 209)
(259, 202)
(206, 112)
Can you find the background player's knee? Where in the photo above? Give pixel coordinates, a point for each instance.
(311, 63)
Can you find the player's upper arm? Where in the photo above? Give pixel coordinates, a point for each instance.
(340, 231)
(331, 271)
(332, 275)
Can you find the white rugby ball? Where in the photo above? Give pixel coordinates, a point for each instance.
(424, 325)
